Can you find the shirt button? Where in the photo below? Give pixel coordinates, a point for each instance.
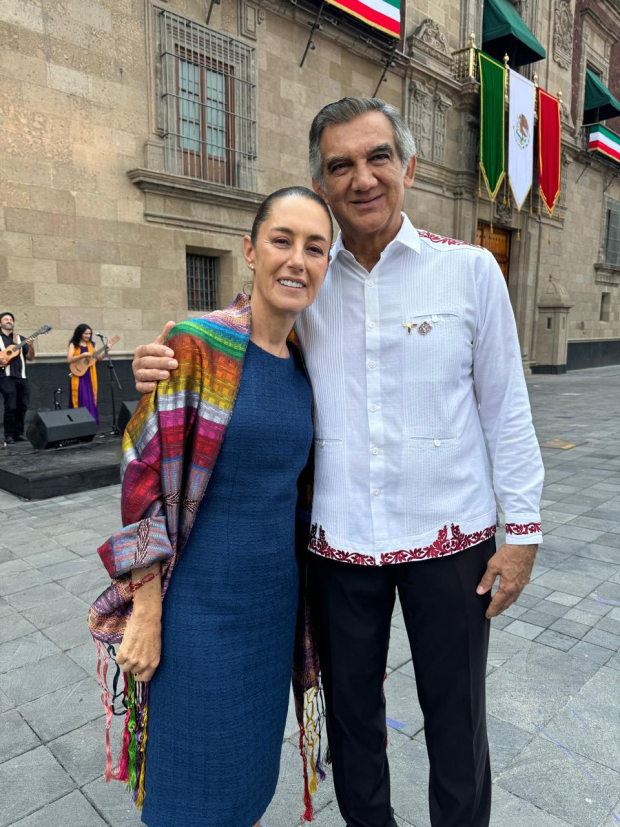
(372, 324)
(372, 365)
(375, 450)
(435, 318)
(376, 492)
(373, 408)
(370, 282)
(437, 443)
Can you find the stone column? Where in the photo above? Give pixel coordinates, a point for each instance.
(552, 329)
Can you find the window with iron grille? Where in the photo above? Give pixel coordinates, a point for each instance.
(612, 233)
(209, 104)
(201, 282)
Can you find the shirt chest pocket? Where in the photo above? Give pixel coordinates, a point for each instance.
(432, 354)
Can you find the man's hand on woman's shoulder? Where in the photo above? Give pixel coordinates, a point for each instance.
(152, 363)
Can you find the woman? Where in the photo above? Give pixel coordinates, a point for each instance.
(83, 388)
(217, 703)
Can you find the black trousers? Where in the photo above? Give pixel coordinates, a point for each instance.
(449, 635)
(16, 395)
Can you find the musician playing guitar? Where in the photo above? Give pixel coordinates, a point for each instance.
(14, 385)
(83, 359)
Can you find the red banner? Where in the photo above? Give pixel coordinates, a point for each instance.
(549, 148)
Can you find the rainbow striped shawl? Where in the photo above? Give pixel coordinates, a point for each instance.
(170, 448)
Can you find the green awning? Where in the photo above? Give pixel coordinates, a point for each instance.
(503, 32)
(599, 104)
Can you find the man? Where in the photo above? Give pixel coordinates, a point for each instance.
(14, 385)
(416, 370)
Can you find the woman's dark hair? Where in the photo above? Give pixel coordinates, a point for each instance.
(78, 333)
(265, 209)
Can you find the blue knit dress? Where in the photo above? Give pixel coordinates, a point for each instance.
(219, 698)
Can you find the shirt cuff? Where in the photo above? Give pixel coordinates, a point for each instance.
(524, 533)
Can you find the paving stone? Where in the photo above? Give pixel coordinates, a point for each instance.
(570, 628)
(548, 607)
(402, 703)
(35, 597)
(549, 515)
(609, 540)
(71, 633)
(30, 781)
(588, 611)
(608, 591)
(16, 737)
(614, 661)
(527, 601)
(57, 713)
(86, 657)
(538, 618)
(39, 678)
(82, 751)
(33, 545)
(400, 650)
(563, 599)
(524, 630)
(595, 654)
(586, 565)
(13, 567)
(22, 581)
(88, 584)
(24, 650)
(505, 742)
(514, 611)
(605, 639)
(502, 646)
(609, 624)
(72, 809)
(556, 640)
(5, 608)
(49, 558)
(599, 524)
(501, 621)
(409, 780)
(14, 626)
(570, 582)
(70, 568)
(561, 785)
(57, 612)
(596, 708)
(509, 810)
(536, 590)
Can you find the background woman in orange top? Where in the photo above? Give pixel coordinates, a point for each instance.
(83, 388)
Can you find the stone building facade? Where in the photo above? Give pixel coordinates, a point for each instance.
(137, 141)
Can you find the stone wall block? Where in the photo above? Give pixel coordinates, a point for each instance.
(57, 295)
(15, 244)
(113, 275)
(60, 249)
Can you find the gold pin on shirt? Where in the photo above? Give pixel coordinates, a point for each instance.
(409, 327)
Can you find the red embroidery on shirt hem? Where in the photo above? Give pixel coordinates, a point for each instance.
(441, 547)
(451, 242)
(520, 529)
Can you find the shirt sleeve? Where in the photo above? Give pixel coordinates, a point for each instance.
(504, 408)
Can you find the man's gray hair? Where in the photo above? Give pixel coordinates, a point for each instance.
(348, 109)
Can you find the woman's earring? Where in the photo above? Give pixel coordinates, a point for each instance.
(251, 266)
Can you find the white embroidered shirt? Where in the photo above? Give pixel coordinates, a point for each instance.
(422, 414)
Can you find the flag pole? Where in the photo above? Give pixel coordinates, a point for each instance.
(389, 62)
(316, 25)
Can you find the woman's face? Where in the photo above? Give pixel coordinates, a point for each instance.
(291, 254)
(87, 335)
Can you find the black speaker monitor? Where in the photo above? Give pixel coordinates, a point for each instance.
(54, 429)
(127, 410)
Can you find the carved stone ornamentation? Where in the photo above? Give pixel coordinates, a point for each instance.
(442, 104)
(422, 118)
(471, 130)
(563, 34)
(429, 33)
(250, 17)
(503, 212)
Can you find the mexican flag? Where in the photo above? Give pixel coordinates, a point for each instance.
(492, 90)
(521, 137)
(549, 148)
(604, 141)
(380, 14)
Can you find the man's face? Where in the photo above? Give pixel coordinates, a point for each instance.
(7, 322)
(363, 178)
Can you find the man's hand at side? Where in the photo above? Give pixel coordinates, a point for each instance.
(514, 566)
(153, 362)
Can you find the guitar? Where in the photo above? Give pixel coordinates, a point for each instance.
(80, 367)
(12, 350)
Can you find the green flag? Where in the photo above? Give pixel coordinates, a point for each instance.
(492, 87)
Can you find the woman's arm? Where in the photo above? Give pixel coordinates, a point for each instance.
(140, 650)
(72, 357)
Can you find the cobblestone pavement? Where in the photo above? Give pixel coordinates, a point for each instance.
(554, 664)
